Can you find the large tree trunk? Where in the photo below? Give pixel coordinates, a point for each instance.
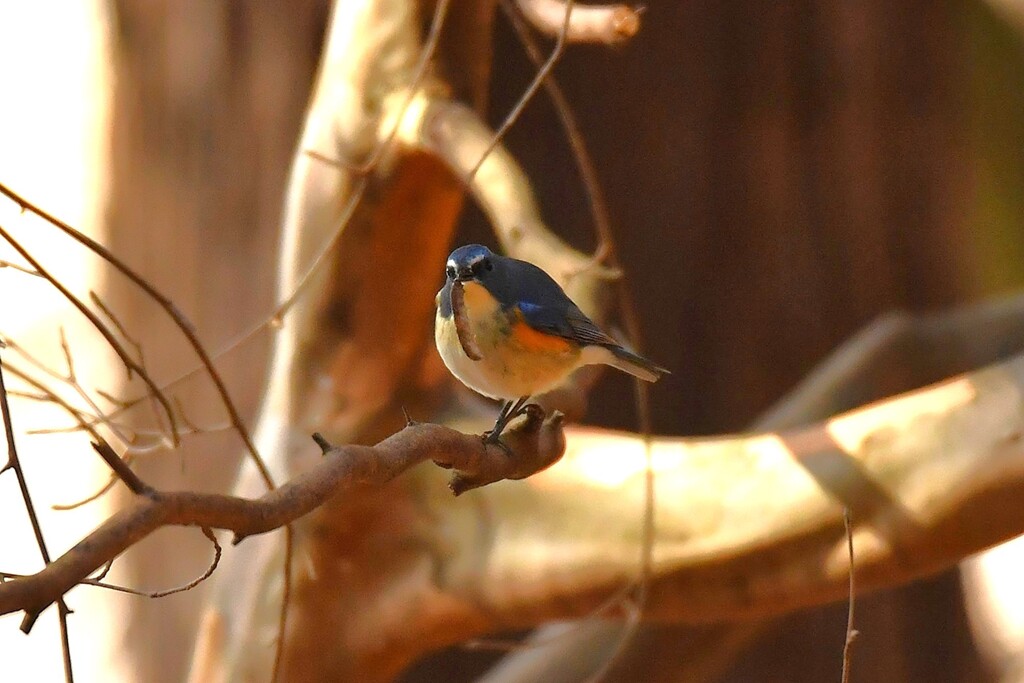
(207, 107)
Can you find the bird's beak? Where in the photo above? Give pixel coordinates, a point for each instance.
(464, 275)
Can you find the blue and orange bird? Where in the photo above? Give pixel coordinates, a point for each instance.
(508, 331)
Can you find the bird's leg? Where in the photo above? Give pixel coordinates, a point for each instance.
(509, 411)
(518, 409)
(491, 435)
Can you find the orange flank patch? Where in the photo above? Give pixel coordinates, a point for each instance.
(532, 340)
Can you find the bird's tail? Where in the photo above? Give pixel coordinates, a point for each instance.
(636, 365)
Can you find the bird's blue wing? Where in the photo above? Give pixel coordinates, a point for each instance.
(566, 321)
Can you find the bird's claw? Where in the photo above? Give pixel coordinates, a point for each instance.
(493, 438)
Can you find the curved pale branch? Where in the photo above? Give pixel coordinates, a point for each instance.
(752, 526)
(609, 24)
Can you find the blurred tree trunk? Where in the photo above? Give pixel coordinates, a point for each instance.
(779, 175)
(208, 102)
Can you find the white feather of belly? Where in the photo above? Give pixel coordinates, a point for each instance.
(506, 370)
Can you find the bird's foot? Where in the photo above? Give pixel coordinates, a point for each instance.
(492, 437)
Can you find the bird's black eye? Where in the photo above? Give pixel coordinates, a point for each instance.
(450, 272)
(487, 264)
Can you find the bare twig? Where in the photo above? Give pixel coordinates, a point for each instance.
(851, 632)
(609, 24)
(96, 495)
(121, 469)
(130, 363)
(82, 417)
(217, 551)
(21, 269)
(49, 395)
(180, 321)
(588, 173)
(14, 463)
(538, 79)
(98, 582)
(282, 614)
(536, 442)
(118, 325)
(104, 571)
(183, 325)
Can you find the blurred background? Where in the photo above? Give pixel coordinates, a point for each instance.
(778, 174)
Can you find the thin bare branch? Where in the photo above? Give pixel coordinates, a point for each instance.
(121, 469)
(98, 582)
(180, 321)
(282, 613)
(100, 326)
(68, 358)
(14, 463)
(21, 269)
(538, 80)
(588, 172)
(51, 396)
(91, 498)
(98, 417)
(537, 443)
(609, 24)
(851, 632)
(103, 571)
(97, 301)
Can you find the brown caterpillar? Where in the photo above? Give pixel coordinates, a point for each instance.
(466, 338)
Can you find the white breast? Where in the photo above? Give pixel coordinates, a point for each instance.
(474, 374)
(506, 370)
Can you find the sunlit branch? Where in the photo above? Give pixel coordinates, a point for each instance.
(609, 24)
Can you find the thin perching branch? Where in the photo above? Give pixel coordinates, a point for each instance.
(536, 442)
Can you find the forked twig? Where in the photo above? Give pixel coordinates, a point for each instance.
(130, 363)
(180, 321)
(20, 269)
(82, 417)
(98, 582)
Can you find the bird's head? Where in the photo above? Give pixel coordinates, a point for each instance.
(470, 263)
